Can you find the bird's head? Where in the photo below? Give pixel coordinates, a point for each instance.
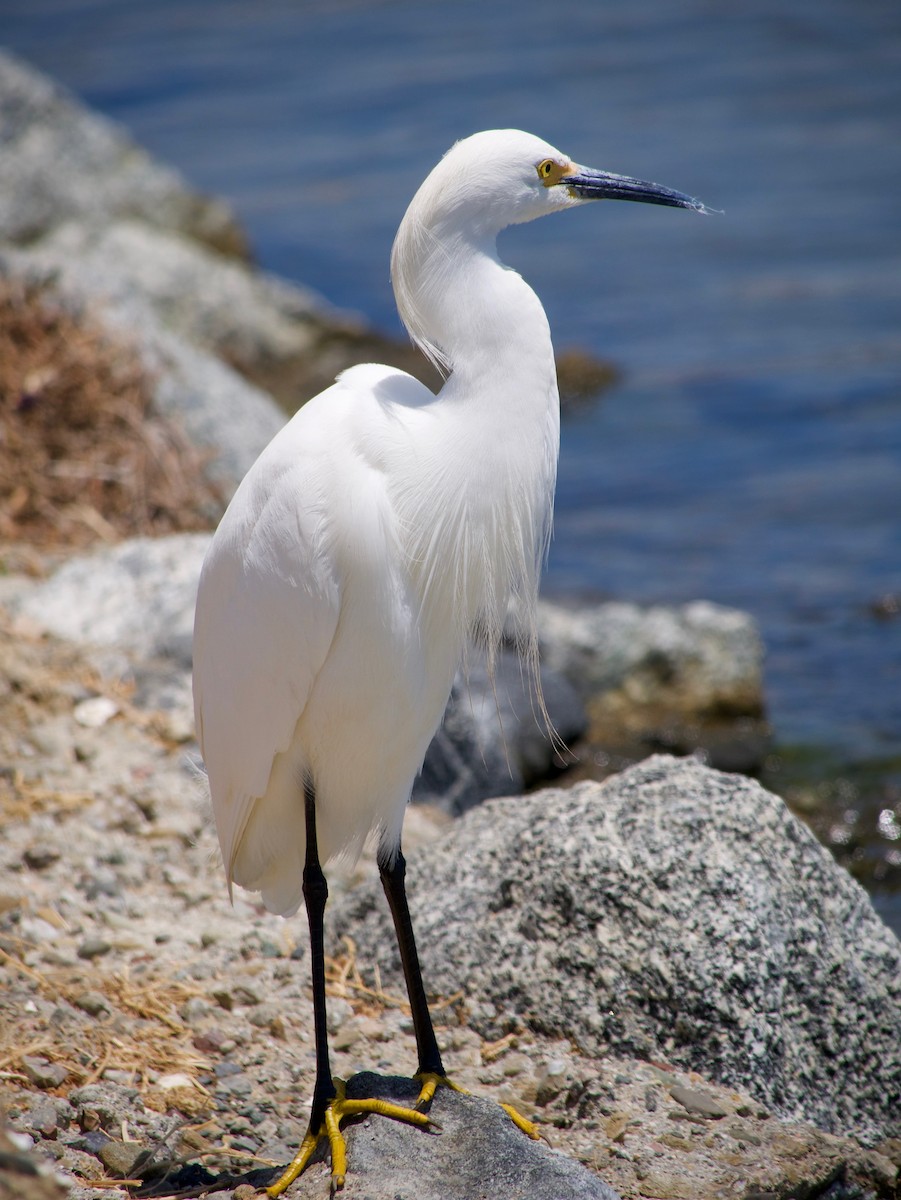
(504, 177)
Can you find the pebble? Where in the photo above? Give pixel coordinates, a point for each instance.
(93, 1003)
(39, 857)
(93, 713)
(195, 1009)
(113, 1075)
(339, 1012)
(93, 1141)
(88, 1119)
(263, 1016)
(93, 947)
(43, 1074)
(44, 1120)
(700, 1103)
(120, 1157)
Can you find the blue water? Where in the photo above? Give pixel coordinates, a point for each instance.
(752, 452)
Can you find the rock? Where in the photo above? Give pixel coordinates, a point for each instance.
(478, 1152)
(38, 858)
(94, 712)
(262, 326)
(680, 679)
(700, 1103)
(60, 161)
(493, 740)
(93, 1003)
(706, 658)
(120, 1158)
(137, 596)
(94, 947)
(674, 913)
(43, 1074)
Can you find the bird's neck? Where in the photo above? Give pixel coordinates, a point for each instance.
(480, 319)
(492, 452)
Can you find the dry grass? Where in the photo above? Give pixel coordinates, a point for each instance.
(82, 456)
(141, 1034)
(343, 978)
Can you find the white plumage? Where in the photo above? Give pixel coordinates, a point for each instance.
(382, 529)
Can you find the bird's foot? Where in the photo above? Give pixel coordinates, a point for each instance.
(339, 1109)
(430, 1081)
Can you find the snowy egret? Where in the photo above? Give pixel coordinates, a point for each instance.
(383, 530)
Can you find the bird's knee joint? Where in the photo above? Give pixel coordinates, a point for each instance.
(315, 888)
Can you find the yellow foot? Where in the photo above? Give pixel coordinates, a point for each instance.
(431, 1082)
(339, 1109)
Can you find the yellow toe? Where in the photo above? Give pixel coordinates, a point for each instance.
(431, 1081)
(339, 1109)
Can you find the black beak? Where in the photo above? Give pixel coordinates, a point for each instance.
(603, 185)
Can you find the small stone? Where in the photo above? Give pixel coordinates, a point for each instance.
(225, 1068)
(38, 858)
(93, 947)
(263, 1016)
(211, 1041)
(194, 1009)
(43, 1074)
(244, 1191)
(93, 713)
(93, 1141)
(224, 998)
(114, 1075)
(348, 1034)
(702, 1104)
(119, 1158)
(93, 1003)
(242, 994)
(88, 1120)
(44, 1120)
(339, 1012)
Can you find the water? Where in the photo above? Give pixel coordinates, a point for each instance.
(752, 452)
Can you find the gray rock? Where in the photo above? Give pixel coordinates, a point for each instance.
(120, 1158)
(673, 913)
(699, 658)
(59, 161)
(251, 320)
(43, 1074)
(493, 740)
(478, 1152)
(138, 596)
(94, 947)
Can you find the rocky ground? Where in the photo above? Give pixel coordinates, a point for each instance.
(146, 1023)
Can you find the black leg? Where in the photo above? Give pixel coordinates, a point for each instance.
(315, 894)
(393, 870)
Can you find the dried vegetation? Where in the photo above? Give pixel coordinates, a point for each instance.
(83, 457)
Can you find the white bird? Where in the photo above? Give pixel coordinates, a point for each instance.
(381, 531)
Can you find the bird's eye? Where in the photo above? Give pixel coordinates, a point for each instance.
(549, 172)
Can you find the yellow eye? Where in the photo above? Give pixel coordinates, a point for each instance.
(549, 172)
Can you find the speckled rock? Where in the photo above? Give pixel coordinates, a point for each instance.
(674, 913)
(477, 1152)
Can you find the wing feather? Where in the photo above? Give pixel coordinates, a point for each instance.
(267, 610)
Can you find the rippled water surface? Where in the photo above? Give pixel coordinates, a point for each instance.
(752, 452)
